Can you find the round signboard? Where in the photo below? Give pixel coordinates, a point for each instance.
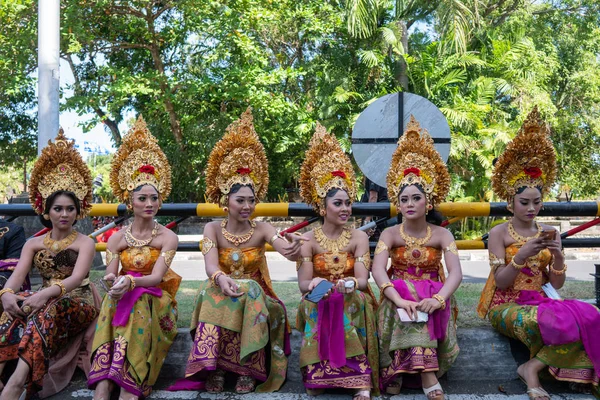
(376, 131)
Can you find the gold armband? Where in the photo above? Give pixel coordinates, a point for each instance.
(366, 260)
(558, 271)
(452, 248)
(206, 245)
(495, 262)
(110, 256)
(63, 289)
(274, 238)
(517, 266)
(301, 260)
(168, 256)
(381, 247)
(385, 286)
(441, 300)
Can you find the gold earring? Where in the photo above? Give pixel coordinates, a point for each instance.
(46, 217)
(129, 206)
(322, 213)
(225, 210)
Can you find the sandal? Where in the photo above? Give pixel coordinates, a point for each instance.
(537, 393)
(245, 384)
(216, 381)
(362, 394)
(394, 386)
(429, 392)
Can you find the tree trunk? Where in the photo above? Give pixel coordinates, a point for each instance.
(401, 66)
(24, 174)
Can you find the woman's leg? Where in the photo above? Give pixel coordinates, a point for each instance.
(429, 379)
(529, 372)
(16, 383)
(103, 390)
(125, 395)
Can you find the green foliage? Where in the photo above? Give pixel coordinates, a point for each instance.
(192, 67)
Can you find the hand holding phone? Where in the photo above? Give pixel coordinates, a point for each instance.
(549, 234)
(421, 316)
(319, 291)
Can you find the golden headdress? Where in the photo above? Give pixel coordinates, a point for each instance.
(416, 161)
(325, 167)
(529, 160)
(60, 167)
(238, 158)
(139, 161)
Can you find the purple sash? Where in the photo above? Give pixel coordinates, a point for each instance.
(566, 321)
(330, 330)
(125, 305)
(438, 320)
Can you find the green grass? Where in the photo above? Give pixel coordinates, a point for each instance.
(467, 298)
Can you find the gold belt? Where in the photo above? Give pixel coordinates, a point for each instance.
(52, 281)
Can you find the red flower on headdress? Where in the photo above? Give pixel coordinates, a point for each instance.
(339, 173)
(243, 171)
(147, 169)
(414, 170)
(533, 172)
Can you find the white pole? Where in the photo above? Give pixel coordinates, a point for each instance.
(48, 70)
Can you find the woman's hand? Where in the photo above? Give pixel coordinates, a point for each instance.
(9, 303)
(530, 249)
(554, 247)
(35, 302)
(119, 288)
(429, 305)
(228, 286)
(410, 307)
(292, 249)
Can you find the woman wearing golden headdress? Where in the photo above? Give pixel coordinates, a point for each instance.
(526, 261)
(415, 288)
(339, 344)
(239, 325)
(138, 319)
(36, 326)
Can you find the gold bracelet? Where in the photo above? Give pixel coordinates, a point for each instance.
(558, 271)
(440, 299)
(214, 277)
(131, 282)
(63, 289)
(518, 266)
(385, 286)
(6, 290)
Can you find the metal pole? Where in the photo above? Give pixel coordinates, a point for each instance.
(48, 70)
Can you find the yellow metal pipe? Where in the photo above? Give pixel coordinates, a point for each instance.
(393, 210)
(100, 246)
(464, 209)
(470, 244)
(104, 210)
(598, 205)
(209, 210)
(271, 210)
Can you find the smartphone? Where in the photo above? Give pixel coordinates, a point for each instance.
(106, 284)
(319, 291)
(549, 234)
(421, 316)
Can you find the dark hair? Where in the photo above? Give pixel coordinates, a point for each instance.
(433, 217)
(50, 202)
(522, 189)
(137, 189)
(236, 188)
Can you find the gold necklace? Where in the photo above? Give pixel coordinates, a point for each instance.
(132, 241)
(236, 240)
(335, 260)
(56, 246)
(519, 238)
(414, 247)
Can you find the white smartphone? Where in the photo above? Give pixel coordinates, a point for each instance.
(421, 316)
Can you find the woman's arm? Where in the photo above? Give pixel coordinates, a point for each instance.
(455, 275)
(361, 268)
(558, 268)
(210, 251)
(289, 247)
(305, 269)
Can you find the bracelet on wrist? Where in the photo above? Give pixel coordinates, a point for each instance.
(6, 290)
(385, 286)
(518, 266)
(215, 277)
(131, 282)
(63, 289)
(441, 300)
(558, 271)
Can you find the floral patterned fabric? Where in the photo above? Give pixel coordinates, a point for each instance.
(132, 355)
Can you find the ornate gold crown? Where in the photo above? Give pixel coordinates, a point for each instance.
(60, 167)
(325, 167)
(416, 161)
(239, 157)
(529, 160)
(139, 161)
